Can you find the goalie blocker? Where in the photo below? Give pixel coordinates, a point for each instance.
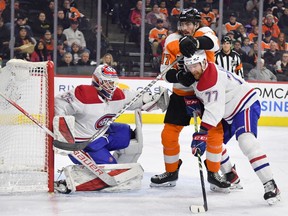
(128, 174)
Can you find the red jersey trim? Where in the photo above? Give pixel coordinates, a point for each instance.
(208, 78)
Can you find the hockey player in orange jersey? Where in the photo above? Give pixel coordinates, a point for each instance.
(191, 37)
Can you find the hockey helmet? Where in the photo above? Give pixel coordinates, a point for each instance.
(190, 15)
(198, 57)
(105, 80)
(226, 39)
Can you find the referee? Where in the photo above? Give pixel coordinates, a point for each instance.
(228, 58)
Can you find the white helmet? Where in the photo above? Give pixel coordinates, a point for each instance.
(198, 57)
(105, 80)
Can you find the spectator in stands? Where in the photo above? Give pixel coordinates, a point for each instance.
(40, 53)
(252, 6)
(246, 45)
(4, 40)
(282, 45)
(278, 10)
(272, 56)
(21, 21)
(252, 23)
(264, 74)
(253, 54)
(157, 37)
(24, 44)
(266, 41)
(108, 59)
(18, 12)
(76, 51)
(84, 59)
(237, 48)
(282, 68)
(62, 20)
(155, 14)
(49, 10)
(61, 38)
(163, 9)
(48, 41)
(214, 6)
(135, 19)
(253, 36)
(268, 4)
(271, 26)
(60, 52)
(74, 35)
(207, 16)
(240, 33)
(269, 11)
(176, 10)
(41, 25)
(232, 24)
(148, 6)
(283, 21)
(67, 60)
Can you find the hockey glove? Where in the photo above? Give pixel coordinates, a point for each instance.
(193, 104)
(185, 78)
(188, 46)
(199, 142)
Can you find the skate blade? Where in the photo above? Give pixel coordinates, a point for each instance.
(166, 184)
(218, 189)
(273, 200)
(236, 187)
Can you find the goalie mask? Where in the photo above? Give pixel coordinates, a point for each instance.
(105, 80)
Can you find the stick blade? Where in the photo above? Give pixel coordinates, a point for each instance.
(197, 209)
(70, 146)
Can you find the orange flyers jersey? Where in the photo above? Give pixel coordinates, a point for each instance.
(171, 52)
(157, 34)
(230, 27)
(164, 11)
(175, 11)
(209, 18)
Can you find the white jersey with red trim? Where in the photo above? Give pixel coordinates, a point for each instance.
(90, 110)
(224, 94)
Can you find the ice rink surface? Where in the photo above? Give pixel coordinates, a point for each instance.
(169, 201)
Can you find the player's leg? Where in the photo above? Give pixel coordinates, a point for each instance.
(213, 158)
(175, 119)
(245, 124)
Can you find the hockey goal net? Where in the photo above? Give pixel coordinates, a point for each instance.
(26, 152)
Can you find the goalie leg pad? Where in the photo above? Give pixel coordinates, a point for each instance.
(127, 176)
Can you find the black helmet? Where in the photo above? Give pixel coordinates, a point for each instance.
(226, 39)
(190, 15)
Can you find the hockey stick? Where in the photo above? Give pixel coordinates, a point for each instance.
(204, 207)
(82, 145)
(78, 155)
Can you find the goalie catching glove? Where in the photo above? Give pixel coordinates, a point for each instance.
(156, 101)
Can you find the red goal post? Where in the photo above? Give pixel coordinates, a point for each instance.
(26, 151)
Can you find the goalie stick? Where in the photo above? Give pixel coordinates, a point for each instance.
(82, 145)
(199, 208)
(78, 155)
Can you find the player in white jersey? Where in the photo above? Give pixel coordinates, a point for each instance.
(226, 96)
(93, 105)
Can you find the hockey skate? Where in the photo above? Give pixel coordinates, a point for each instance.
(272, 193)
(166, 179)
(218, 183)
(233, 178)
(61, 187)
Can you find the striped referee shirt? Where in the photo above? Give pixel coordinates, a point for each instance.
(230, 62)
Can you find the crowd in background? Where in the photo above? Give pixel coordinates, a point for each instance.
(76, 38)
